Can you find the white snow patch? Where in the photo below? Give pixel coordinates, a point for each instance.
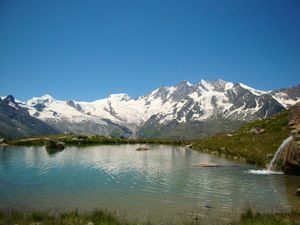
(12, 105)
(228, 85)
(253, 91)
(284, 100)
(206, 85)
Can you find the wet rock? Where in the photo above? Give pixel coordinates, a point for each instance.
(298, 192)
(204, 165)
(208, 206)
(140, 149)
(291, 164)
(53, 147)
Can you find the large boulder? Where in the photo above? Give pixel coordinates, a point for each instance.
(53, 147)
(51, 144)
(291, 165)
(292, 162)
(294, 117)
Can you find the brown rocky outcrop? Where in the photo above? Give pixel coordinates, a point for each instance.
(291, 163)
(294, 117)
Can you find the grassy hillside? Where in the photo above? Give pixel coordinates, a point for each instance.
(188, 130)
(246, 145)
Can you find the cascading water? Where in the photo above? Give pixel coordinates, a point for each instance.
(279, 152)
(275, 159)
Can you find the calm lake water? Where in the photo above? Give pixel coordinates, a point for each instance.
(159, 184)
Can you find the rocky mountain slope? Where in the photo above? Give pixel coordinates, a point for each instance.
(180, 111)
(212, 107)
(16, 122)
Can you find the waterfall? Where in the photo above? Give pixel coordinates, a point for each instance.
(274, 160)
(279, 152)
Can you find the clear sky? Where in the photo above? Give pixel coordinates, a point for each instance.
(86, 50)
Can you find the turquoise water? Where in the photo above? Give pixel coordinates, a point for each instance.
(159, 184)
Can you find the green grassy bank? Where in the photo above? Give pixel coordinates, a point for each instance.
(247, 146)
(99, 217)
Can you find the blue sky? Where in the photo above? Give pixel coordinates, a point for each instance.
(86, 50)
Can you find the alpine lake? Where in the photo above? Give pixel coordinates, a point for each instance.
(161, 184)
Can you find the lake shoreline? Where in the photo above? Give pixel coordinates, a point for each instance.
(94, 140)
(82, 140)
(74, 217)
(242, 145)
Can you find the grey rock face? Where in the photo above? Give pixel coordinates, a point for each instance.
(291, 92)
(286, 94)
(16, 122)
(74, 105)
(239, 104)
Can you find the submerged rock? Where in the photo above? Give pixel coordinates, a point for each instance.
(208, 206)
(142, 149)
(207, 165)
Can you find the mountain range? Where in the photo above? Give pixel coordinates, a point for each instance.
(182, 111)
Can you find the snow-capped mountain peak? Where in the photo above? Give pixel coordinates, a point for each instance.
(216, 85)
(182, 103)
(205, 85)
(184, 83)
(45, 99)
(119, 97)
